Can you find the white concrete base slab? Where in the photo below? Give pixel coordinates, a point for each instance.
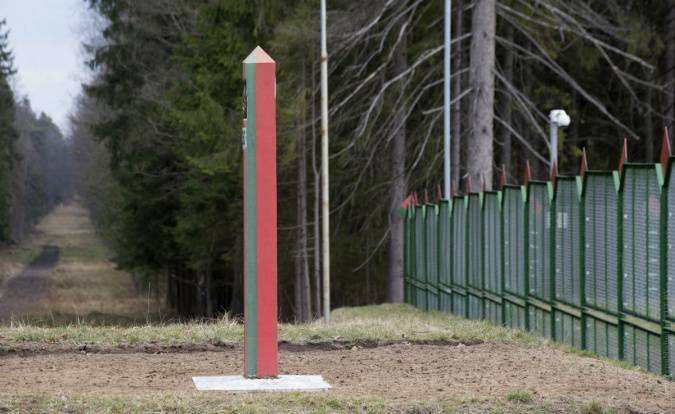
(283, 383)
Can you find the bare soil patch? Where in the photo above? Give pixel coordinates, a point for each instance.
(400, 373)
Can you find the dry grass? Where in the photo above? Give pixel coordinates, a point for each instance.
(368, 323)
(84, 285)
(282, 403)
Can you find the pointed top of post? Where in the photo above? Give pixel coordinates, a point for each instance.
(584, 163)
(439, 194)
(426, 196)
(624, 154)
(502, 177)
(483, 184)
(665, 149)
(554, 173)
(454, 189)
(258, 56)
(528, 173)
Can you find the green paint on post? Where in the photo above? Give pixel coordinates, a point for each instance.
(250, 189)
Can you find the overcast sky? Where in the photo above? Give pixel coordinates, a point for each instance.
(45, 36)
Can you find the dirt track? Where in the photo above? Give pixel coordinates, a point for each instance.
(399, 373)
(21, 293)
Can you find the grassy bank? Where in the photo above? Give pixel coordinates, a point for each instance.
(368, 323)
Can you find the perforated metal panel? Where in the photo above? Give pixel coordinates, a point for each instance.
(567, 242)
(642, 348)
(420, 258)
(602, 338)
(492, 241)
(670, 250)
(514, 241)
(514, 315)
(445, 253)
(408, 250)
(431, 222)
(540, 321)
(641, 241)
(568, 329)
(475, 240)
(671, 355)
(459, 304)
(459, 242)
(601, 242)
(475, 307)
(539, 241)
(493, 312)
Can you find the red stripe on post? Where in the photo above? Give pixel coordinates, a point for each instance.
(266, 230)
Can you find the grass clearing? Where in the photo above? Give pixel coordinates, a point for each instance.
(379, 323)
(520, 396)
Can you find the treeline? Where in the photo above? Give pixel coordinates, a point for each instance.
(34, 158)
(160, 124)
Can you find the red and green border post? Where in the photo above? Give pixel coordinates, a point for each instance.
(260, 217)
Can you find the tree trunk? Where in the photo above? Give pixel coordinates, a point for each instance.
(457, 111)
(397, 189)
(317, 209)
(670, 65)
(302, 293)
(480, 148)
(649, 128)
(506, 111)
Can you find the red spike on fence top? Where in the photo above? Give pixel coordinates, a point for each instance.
(415, 200)
(454, 189)
(439, 194)
(528, 173)
(554, 172)
(665, 149)
(624, 154)
(467, 184)
(502, 177)
(426, 196)
(407, 202)
(584, 163)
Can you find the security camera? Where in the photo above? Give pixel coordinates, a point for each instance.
(559, 118)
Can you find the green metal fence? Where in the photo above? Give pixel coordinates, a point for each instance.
(585, 260)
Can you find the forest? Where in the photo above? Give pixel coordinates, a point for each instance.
(154, 150)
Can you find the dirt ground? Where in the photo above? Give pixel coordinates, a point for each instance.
(397, 373)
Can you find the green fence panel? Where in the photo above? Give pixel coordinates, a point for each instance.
(475, 255)
(420, 293)
(492, 242)
(514, 240)
(445, 253)
(671, 354)
(540, 321)
(641, 204)
(459, 256)
(539, 240)
(670, 250)
(432, 255)
(514, 315)
(601, 235)
(407, 253)
(568, 251)
(567, 329)
(642, 348)
(602, 338)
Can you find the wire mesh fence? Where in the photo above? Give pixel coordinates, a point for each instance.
(584, 260)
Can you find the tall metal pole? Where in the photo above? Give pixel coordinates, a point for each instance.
(446, 103)
(325, 237)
